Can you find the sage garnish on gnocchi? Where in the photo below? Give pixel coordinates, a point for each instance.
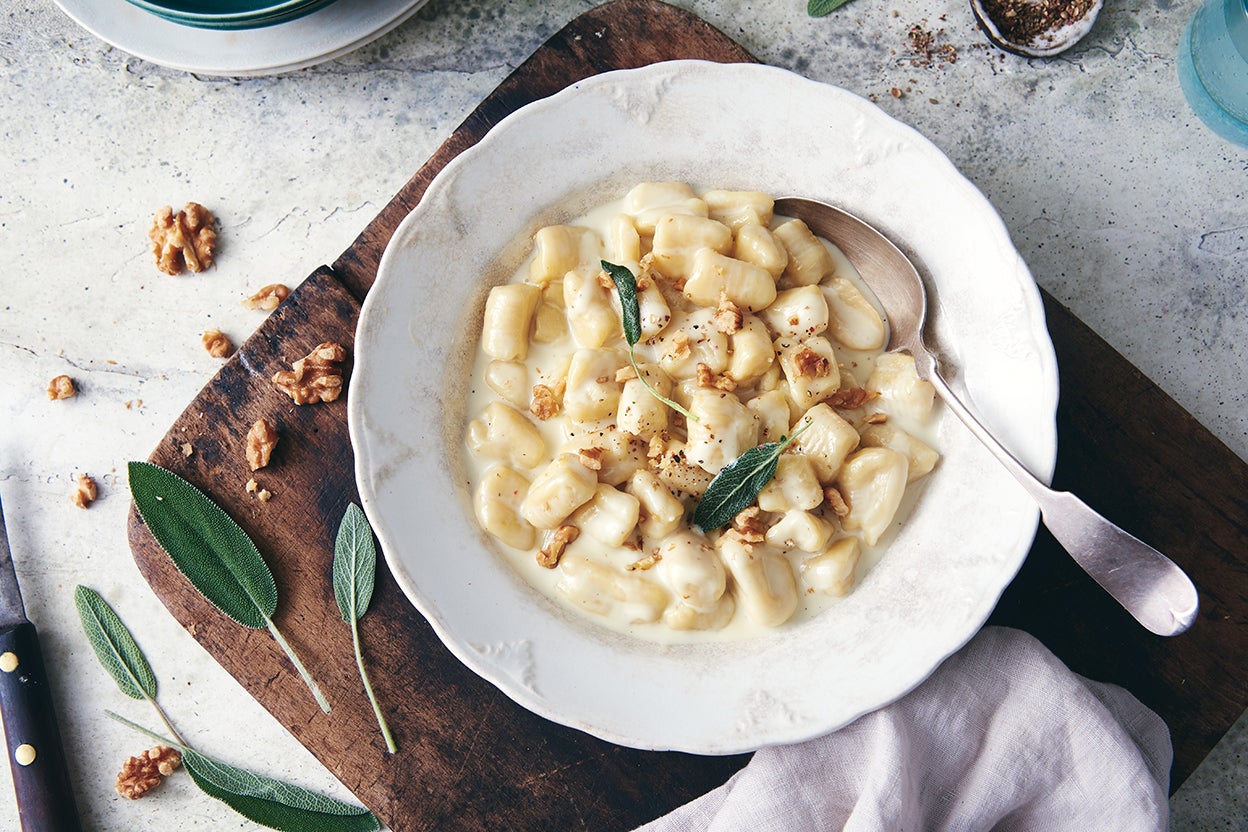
(659, 342)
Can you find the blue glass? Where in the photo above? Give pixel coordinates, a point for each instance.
(1213, 67)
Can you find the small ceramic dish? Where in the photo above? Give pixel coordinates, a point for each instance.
(230, 14)
(712, 125)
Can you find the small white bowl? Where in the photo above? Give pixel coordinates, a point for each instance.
(713, 125)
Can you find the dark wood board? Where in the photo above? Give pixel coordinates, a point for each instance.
(469, 757)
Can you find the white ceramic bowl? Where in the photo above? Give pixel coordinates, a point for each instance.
(733, 126)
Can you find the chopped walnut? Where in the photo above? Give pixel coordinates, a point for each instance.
(261, 440)
(545, 403)
(84, 492)
(811, 364)
(835, 501)
(876, 418)
(749, 525)
(252, 486)
(552, 551)
(605, 281)
(849, 398)
(183, 240)
(591, 458)
(626, 373)
(264, 495)
(217, 344)
(679, 346)
(645, 563)
(187, 449)
(61, 387)
(728, 317)
(268, 298)
(141, 774)
(657, 446)
(317, 377)
(708, 378)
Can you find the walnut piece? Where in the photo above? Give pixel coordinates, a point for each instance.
(876, 418)
(84, 492)
(835, 501)
(850, 398)
(552, 551)
(728, 317)
(217, 344)
(187, 449)
(61, 387)
(141, 774)
(317, 377)
(645, 563)
(183, 240)
(545, 403)
(268, 298)
(708, 378)
(749, 525)
(261, 440)
(591, 458)
(811, 364)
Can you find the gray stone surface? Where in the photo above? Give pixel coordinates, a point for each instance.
(1126, 208)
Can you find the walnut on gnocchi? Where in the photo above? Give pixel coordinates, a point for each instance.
(587, 476)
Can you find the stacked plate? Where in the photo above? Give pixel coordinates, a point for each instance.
(230, 14)
(238, 37)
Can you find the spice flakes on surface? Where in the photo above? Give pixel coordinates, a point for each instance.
(927, 51)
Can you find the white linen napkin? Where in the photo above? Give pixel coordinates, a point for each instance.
(1001, 737)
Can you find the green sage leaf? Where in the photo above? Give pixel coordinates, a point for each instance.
(114, 646)
(819, 8)
(355, 564)
(630, 310)
(209, 548)
(275, 804)
(738, 483)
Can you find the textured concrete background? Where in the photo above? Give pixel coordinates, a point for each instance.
(1125, 207)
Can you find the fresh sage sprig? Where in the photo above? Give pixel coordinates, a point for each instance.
(355, 570)
(263, 800)
(738, 483)
(630, 315)
(213, 552)
(818, 8)
(117, 650)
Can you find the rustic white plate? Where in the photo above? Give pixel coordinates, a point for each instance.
(733, 126)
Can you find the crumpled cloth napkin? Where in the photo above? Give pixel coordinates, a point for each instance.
(1001, 737)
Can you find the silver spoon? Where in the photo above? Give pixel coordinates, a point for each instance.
(1147, 583)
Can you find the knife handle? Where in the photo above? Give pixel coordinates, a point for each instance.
(45, 797)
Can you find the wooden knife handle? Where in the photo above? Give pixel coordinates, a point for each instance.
(45, 797)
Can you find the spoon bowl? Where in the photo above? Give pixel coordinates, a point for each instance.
(1148, 584)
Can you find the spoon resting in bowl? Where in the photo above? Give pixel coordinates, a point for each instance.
(1148, 584)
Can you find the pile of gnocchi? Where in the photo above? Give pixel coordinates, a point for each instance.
(755, 328)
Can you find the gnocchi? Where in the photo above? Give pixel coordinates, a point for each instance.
(586, 475)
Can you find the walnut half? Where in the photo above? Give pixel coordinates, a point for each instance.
(217, 343)
(61, 387)
(186, 239)
(268, 298)
(317, 377)
(139, 775)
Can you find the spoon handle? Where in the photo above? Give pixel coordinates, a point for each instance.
(1148, 584)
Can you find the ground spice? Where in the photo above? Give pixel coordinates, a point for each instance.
(1021, 21)
(927, 52)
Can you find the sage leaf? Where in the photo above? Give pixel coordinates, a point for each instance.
(819, 8)
(355, 564)
(738, 483)
(213, 552)
(114, 646)
(630, 309)
(355, 572)
(207, 546)
(273, 803)
(630, 316)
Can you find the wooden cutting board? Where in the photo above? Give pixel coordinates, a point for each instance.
(469, 757)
